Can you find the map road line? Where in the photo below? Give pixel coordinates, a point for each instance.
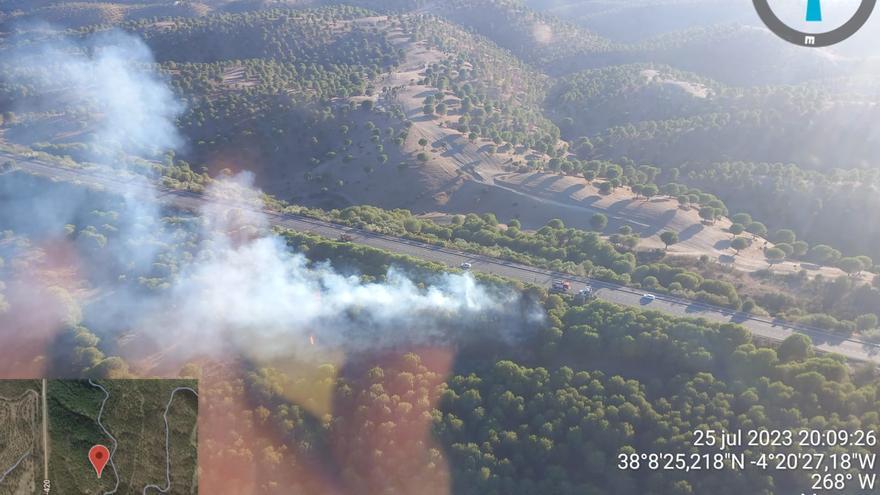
(45, 434)
(113, 450)
(12, 468)
(167, 446)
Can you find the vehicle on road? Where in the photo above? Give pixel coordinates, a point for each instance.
(585, 295)
(560, 287)
(465, 266)
(649, 297)
(345, 238)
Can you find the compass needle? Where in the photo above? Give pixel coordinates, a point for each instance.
(814, 11)
(814, 14)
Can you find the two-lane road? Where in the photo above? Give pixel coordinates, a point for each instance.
(761, 327)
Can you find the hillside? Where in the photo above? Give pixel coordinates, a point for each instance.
(627, 94)
(413, 111)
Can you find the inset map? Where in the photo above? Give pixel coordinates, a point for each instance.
(148, 427)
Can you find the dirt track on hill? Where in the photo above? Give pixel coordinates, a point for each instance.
(463, 177)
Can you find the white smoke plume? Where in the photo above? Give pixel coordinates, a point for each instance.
(243, 290)
(246, 288)
(108, 76)
(108, 84)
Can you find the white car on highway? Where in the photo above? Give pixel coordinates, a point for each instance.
(465, 266)
(649, 297)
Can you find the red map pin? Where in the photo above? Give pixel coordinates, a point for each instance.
(98, 456)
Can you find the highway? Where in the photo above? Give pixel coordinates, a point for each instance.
(766, 328)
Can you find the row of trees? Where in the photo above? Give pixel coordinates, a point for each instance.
(560, 248)
(554, 246)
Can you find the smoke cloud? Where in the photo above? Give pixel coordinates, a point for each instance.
(246, 287)
(104, 79)
(238, 288)
(124, 111)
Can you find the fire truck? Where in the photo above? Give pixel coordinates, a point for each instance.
(560, 287)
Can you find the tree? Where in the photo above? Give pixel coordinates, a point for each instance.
(824, 255)
(598, 222)
(784, 236)
(623, 265)
(637, 189)
(412, 225)
(556, 224)
(866, 322)
(850, 265)
(774, 255)
(367, 105)
(737, 229)
(796, 347)
(742, 218)
(707, 213)
(606, 187)
(786, 248)
(649, 191)
(867, 262)
(669, 238)
(740, 243)
(757, 228)
(613, 171)
(423, 142)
